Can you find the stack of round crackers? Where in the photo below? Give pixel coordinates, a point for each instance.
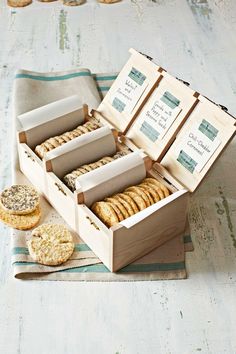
(134, 199)
(56, 141)
(70, 178)
(19, 207)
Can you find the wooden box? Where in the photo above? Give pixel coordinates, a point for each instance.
(173, 133)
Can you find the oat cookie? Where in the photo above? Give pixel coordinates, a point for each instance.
(106, 213)
(18, 3)
(73, 2)
(121, 209)
(51, 244)
(140, 192)
(19, 199)
(130, 201)
(108, 1)
(20, 222)
(125, 204)
(137, 199)
(158, 184)
(148, 187)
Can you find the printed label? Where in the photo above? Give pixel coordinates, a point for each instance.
(158, 115)
(197, 146)
(130, 90)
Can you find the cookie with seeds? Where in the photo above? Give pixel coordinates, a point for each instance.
(125, 204)
(51, 244)
(119, 206)
(106, 213)
(87, 168)
(130, 201)
(155, 196)
(116, 208)
(40, 150)
(19, 3)
(19, 199)
(140, 192)
(73, 2)
(20, 222)
(157, 189)
(158, 184)
(48, 145)
(137, 199)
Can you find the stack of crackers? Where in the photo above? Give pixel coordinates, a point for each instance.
(120, 206)
(53, 142)
(19, 207)
(22, 3)
(70, 178)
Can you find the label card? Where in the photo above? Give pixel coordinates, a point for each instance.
(158, 115)
(130, 90)
(197, 146)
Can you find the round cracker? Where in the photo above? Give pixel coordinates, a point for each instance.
(119, 205)
(130, 201)
(19, 199)
(125, 204)
(158, 184)
(20, 222)
(51, 244)
(54, 142)
(116, 208)
(109, 1)
(83, 129)
(140, 192)
(105, 213)
(87, 168)
(137, 199)
(19, 3)
(151, 190)
(40, 150)
(73, 2)
(48, 145)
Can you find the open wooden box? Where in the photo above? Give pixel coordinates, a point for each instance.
(173, 133)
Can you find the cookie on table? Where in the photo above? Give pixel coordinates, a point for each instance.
(51, 244)
(20, 222)
(106, 213)
(73, 2)
(19, 3)
(19, 199)
(108, 1)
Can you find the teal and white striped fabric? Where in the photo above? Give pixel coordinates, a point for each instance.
(32, 90)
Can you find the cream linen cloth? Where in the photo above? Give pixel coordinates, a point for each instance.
(32, 90)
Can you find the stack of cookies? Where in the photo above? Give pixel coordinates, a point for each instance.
(19, 207)
(70, 178)
(134, 199)
(53, 142)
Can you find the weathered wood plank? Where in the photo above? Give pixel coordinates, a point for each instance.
(195, 40)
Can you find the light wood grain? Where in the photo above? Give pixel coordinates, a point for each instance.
(194, 40)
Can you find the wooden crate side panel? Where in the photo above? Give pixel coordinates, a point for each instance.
(166, 223)
(94, 234)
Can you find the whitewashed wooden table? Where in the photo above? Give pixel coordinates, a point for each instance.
(195, 40)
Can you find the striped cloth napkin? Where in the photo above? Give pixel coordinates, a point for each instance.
(32, 90)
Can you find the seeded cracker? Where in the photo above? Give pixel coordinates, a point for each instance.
(19, 199)
(51, 244)
(20, 222)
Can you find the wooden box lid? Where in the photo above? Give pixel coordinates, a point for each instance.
(172, 123)
(199, 143)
